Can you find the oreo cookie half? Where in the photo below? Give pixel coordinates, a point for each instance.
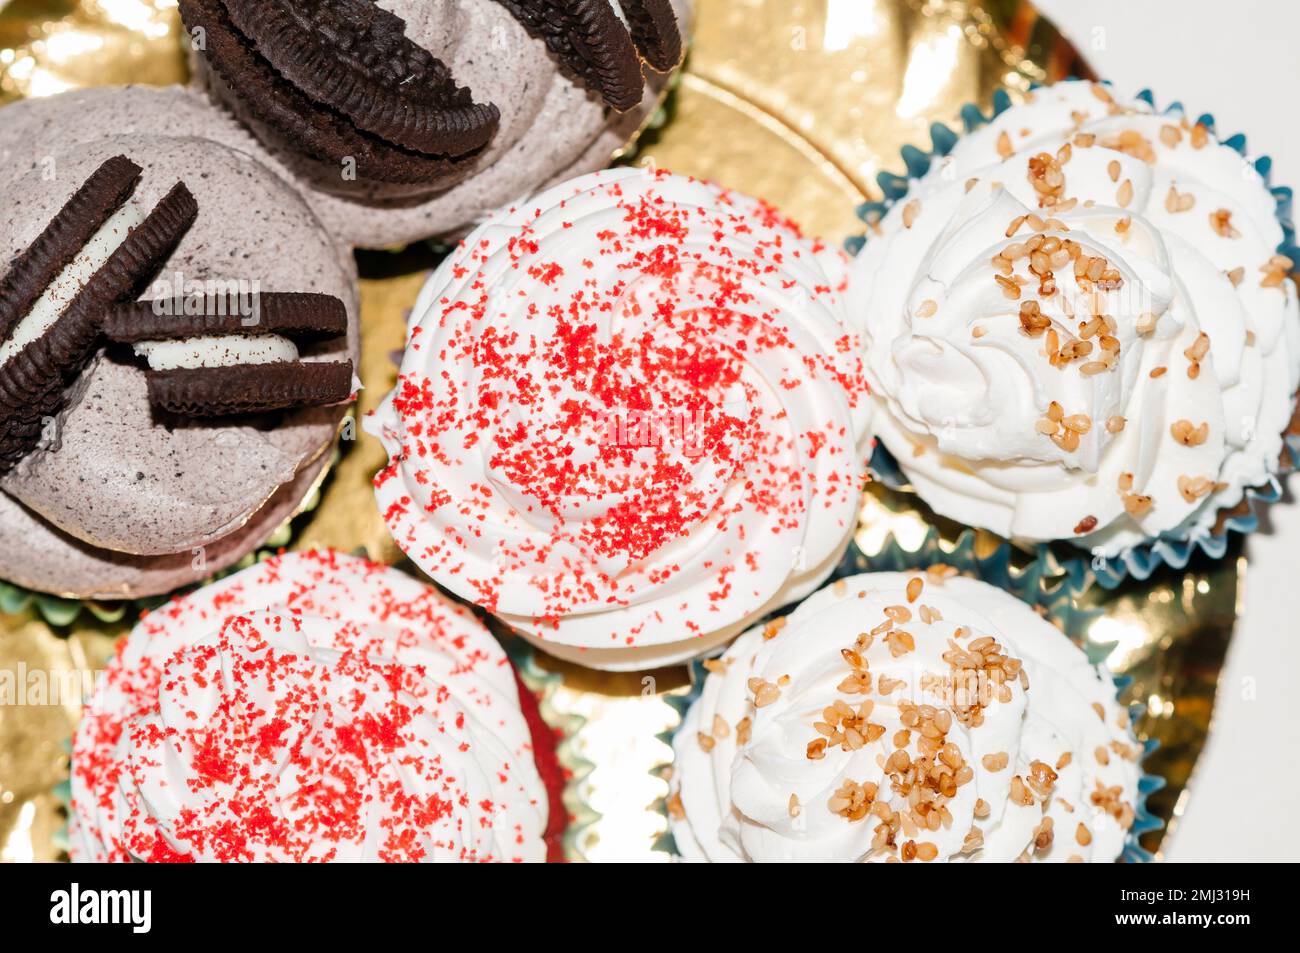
(249, 388)
(590, 40)
(98, 252)
(218, 355)
(298, 315)
(324, 77)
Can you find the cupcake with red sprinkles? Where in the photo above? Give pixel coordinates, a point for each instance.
(315, 707)
(631, 418)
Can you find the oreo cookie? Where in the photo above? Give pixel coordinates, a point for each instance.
(231, 383)
(43, 362)
(323, 77)
(298, 315)
(591, 41)
(249, 388)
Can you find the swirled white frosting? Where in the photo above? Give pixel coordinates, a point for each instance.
(314, 707)
(630, 418)
(1153, 419)
(766, 769)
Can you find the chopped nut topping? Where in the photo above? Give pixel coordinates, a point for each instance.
(1189, 434)
(1046, 177)
(852, 800)
(744, 730)
(1005, 149)
(765, 692)
(1193, 488)
(927, 307)
(1137, 504)
(1032, 320)
(995, 762)
(914, 587)
(1174, 202)
(1275, 270)
(910, 211)
(1221, 222)
(1125, 194)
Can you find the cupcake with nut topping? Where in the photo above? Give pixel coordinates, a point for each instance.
(1079, 327)
(908, 717)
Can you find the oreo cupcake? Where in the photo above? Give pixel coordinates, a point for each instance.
(315, 707)
(630, 418)
(1078, 326)
(434, 111)
(909, 717)
(170, 390)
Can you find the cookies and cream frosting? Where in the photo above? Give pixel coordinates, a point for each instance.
(630, 418)
(1077, 324)
(905, 717)
(315, 707)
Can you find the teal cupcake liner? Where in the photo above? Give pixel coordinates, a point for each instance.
(1140, 562)
(1030, 584)
(537, 680)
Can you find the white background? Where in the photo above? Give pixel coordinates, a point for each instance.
(1236, 59)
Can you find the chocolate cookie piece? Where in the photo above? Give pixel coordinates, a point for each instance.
(653, 25)
(85, 213)
(298, 315)
(590, 40)
(249, 388)
(321, 128)
(33, 380)
(353, 56)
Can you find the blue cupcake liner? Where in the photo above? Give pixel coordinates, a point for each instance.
(1030, 584)
(1141, 561)
(542, 683)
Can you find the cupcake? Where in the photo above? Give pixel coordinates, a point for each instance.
(315, 707)
(905, 717)
(434, 112)
(1078, 326)
(630, 418)
(200, 373)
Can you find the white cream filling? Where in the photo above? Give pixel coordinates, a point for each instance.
(56, 298)
(216, 350)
